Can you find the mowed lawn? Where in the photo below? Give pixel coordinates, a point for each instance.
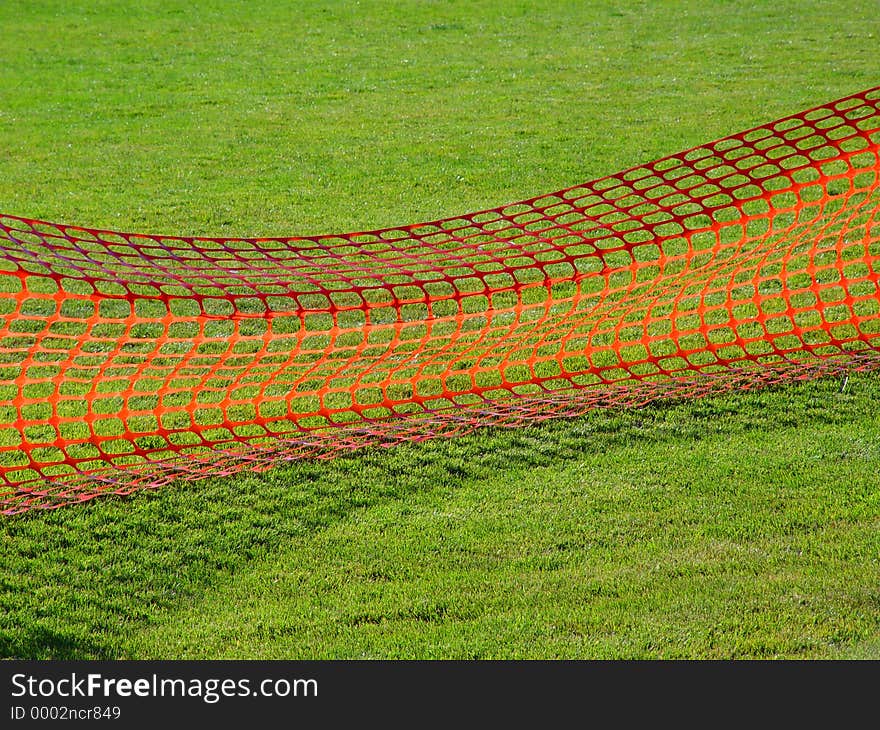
(745, 525)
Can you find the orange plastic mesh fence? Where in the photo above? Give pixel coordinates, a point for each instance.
(129, 360)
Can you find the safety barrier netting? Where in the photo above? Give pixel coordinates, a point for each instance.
(128, 361)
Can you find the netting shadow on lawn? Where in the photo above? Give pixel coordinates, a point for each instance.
(129, 360)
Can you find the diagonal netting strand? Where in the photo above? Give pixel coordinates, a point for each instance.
(128, 360)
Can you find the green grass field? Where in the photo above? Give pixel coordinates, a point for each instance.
(739, 526)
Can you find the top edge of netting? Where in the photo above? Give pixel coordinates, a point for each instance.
(537, 202)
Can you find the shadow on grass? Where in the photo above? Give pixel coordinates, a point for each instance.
(76, 582)
(40, 642)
